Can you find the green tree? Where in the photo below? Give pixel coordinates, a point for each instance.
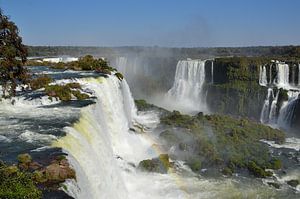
(12, 57)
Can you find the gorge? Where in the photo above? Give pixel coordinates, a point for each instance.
(108, 140)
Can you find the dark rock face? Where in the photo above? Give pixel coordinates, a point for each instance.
(293, 183)
(295, 123)
(235, 88)
(238, 99)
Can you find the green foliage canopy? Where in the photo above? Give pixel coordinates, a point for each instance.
(12, 56)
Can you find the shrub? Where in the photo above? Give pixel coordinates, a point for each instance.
(40, 82)
(58, 91)
(195, 165)
(15, 184)
(258, 171)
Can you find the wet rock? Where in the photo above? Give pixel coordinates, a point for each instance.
(59, 172)
(293, 183)
(200, 115)
(274, 184)
(158, 165)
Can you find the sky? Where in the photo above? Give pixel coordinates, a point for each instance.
(167, 23)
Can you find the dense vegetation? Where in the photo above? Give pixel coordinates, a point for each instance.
(61, 92)
(285, 52)
(226, 143)
(221, 143)
(16, 184)
(12, 56)
(31, 180)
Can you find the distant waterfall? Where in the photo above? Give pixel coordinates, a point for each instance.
(187, 89)
(279, 78)
(284, 77)
(131, 66)
(273, 110)
(264, 118)
(298, 74)
(273, 114)
(263, 76)
(120, 64)
(269, 110)
(282, 74)
(212, 72)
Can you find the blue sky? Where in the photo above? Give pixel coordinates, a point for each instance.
(172, 23)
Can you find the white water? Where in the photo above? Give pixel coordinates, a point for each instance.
(282, 75)
(212, 72)
(264, 117)
(187, 91)
(101, 135)
(269, 110)
(287, 110)
(273, 110)
(263, 76)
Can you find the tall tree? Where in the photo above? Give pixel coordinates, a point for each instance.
(12, 57)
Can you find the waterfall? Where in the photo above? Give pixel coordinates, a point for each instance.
(282, 74)
(101, 135)
(270, 81)
(131, 66)
(298, 74)
(187, 90)
(264, 117)
(212, 72)
(270, 113)
(105, 153)
(263, 76)
(120, 64)
(287, 111)
(273, 110)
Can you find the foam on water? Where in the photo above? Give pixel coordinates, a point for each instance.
(32, 137)
(290, 143)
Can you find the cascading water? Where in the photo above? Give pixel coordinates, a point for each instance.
(273, 110)
(282, 74)
(95, 140)
(298, 74)
(212, 72)
(187, 90)
(270, 113)
(104, 151)
(264, 117)
(288, 109)
(269, 110)
(263, 76)
(130, 66)
(121, 64)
